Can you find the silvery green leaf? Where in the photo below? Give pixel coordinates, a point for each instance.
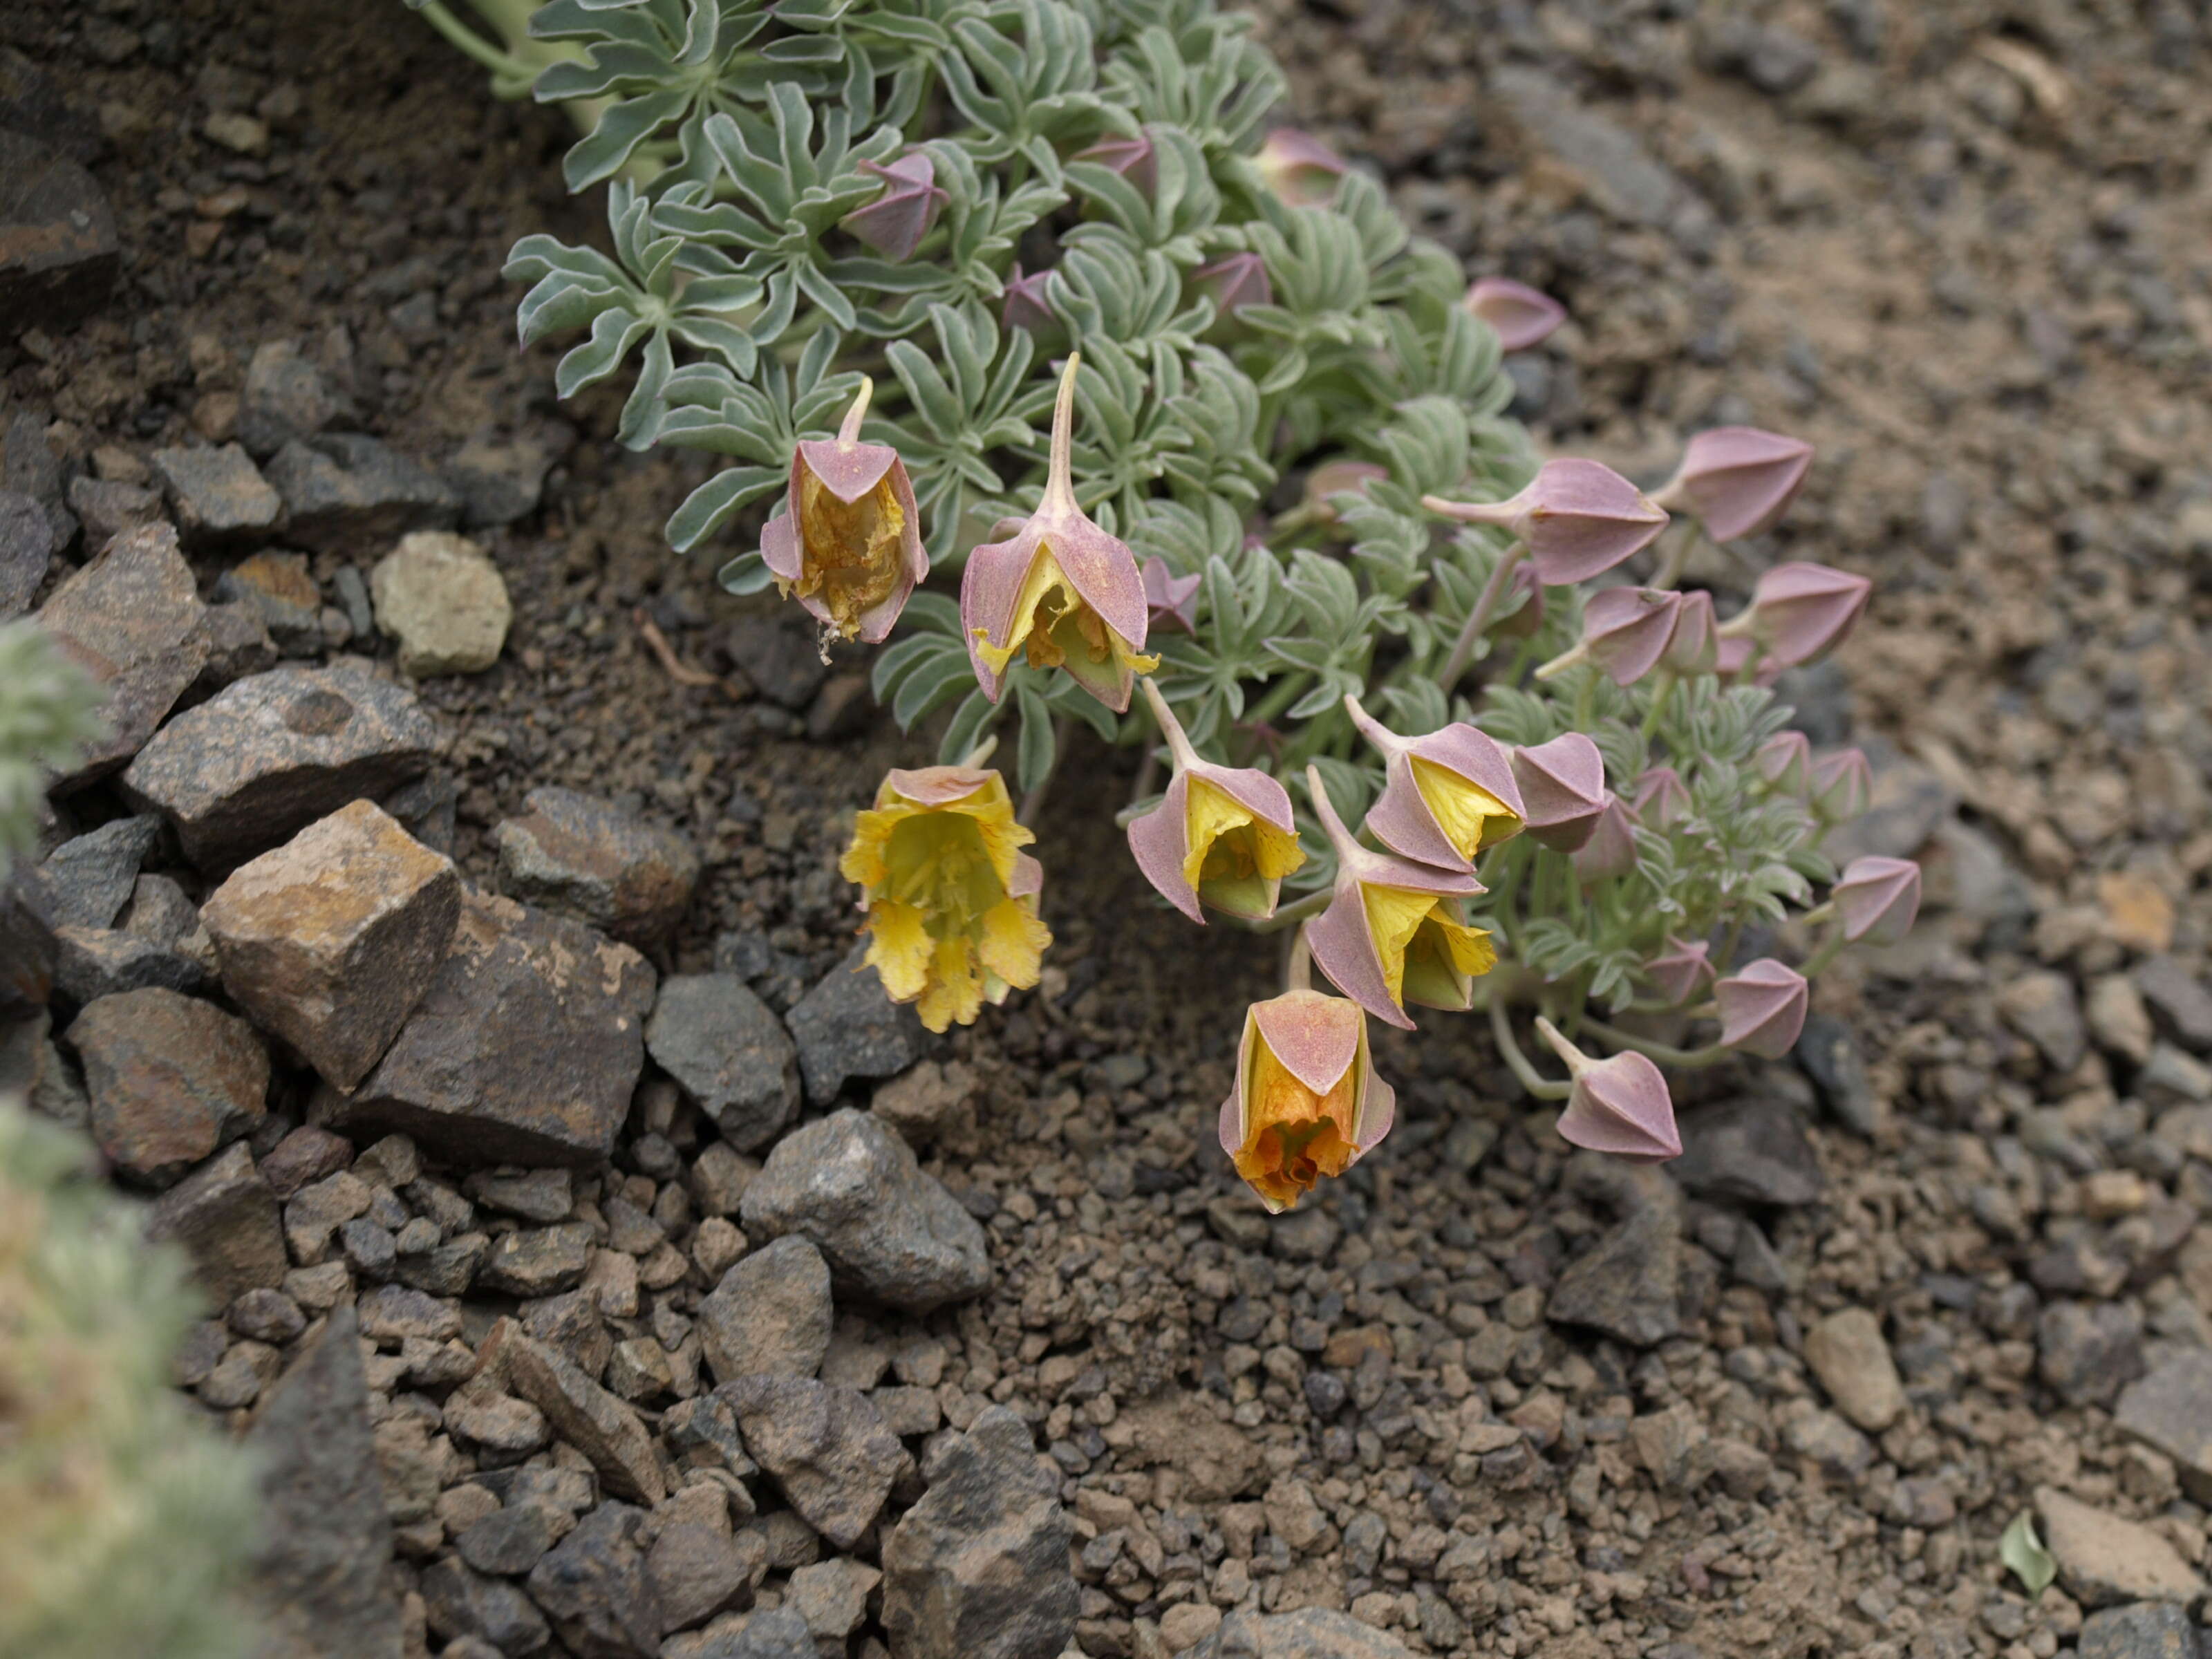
(614, 332)
(746, 573)
(710, 506)
(975, 715)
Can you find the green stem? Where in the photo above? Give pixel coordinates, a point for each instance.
(1293, 912)
(1661, 694)
(459, 34)
(1665, 1053)
(1501, 1027)
(1586, 699)
(1479, 618)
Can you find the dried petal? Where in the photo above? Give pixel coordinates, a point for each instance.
(1521, 317)
(1762, 1008)
(848, 541)
(1877, 898)
(1578, 518)
(1563, 784)
(1737, 480)
(1306, 1103)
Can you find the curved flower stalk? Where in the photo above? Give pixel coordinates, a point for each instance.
(1619, 1105)
(848, 541)
(1762, 1007)
(951, 901)
(1521, 316)
(1306, 1103)
(1059, 588)
(1736, 481)
(1563, 785)
(1577, 517)
(1394, 932)
(1222, 836)
(1446, 796)
(1876, 899)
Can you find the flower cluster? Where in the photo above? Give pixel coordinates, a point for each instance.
(1026, 294)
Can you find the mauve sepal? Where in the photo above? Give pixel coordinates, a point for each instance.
(1577, 518)
(1682, 972)
(1402, 819)
(1737, 480)
(1843, 784)
(1611, 850)
(1563, 787)
(1801, 612)
(1762, 1007)
(896, 220)
(1520, 316)
(1876, 899)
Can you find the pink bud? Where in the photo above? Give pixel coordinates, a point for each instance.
(1625, 630)
(1562, 784)
(1172, 600)
(1737, 480)
(1523, 622)
(895, 222)
(1843, 784)
(1681, 972)
(1661, 797)
(1762, 1008)
(1621, 1106)
(1578, 518)
(1299, 168)
(1802, 611)
(1695, 647)
(1237, 281)
(1611, 848)
(1785, 761)
(1025, 305)
(1877, 898)
(1134, 159)
(1521, 317)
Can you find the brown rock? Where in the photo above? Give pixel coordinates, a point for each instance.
(225, 1217)
(2103, 1559)
(581, 1413)
(770, 1313)
(58, 252)
(2171, 1410)
(171, 1079)
(585, 858)
(825, 1448)
(332, 940)
(218, 494)
(1848, 1353)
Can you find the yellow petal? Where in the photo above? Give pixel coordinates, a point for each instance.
(1468, 948)
(1013, 943)
(955, 995)
(1394, 915)
(863, 860)
(1209, 813)
(1471, 818)
(899, 949)
(1044, 576)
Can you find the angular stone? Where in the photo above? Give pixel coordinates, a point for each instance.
(92, 962)
(27, 948)
(979, 1568)
(278, 588)
(2103, 1560)
(460, 1604)
(332, 940)
(88, 879)
(729, 1054)
(237, 645)
(771, 1633)
(1752, 1152)
(1627, 1283)
(286, 398)
(348, 494)
(27, 551)
(1309, 1633)
(524, 1049)
(2171, 1411)
(272, 753)
(59, 252)
(2178, 999)
(218, 494)
(537, 1260)
(2089, 1351)
(30, 467)
(827, 1450)
(171, 1080)
(581, 1413)
(319, 1581)
(511, 1540)
(1620, 177)
(541, 1195)
(107, 506)
(499, 483)
(133, 617)
(225, 1217)
(498, 1422)
(444, 601)
(31, 1069)
(832, 1597)
(583, 857)
(1830, 1055)
(594, 1586)
(888, 1231)
(1847, 1352)
(391, 1314)
(2043, 1008)
(771, 1313)
(848, 1027)
(2148, 1631)
(699, 1568)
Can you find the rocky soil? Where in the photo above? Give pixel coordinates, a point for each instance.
(448, 948)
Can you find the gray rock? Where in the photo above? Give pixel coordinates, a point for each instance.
(782, 662)
(1627, 1284)
(332, 940)
(848, 1027)
(33, 1069)
(462, 1603)
(500, 1423)
(2043, 1008)
(581, 1413)
(218, 494)
(1752, 1152)
(319, 1581)
(107, 506)
(826, 1449)
(583, 857)
(540, 1195)
(1619, 175)
(1309, 1633)
(511, 1540)
(1847, 1352)
(594, 1586)
(499, 483)
(537, 1260)
(2104, 1560)
(1839, 1451)
(238, 644)
(279, 589)
(979, 1568)
(28, 949)
(1830, 1055)
(444, 601)
(832, 1597)
(2088, 1351)
(88, 879)
(2146, 1631)
(776, 1633)
(171, 1080)
(524, 1049)
(286, 398)
(698, 1567)
(351, 495)
(272, 753)
(225, 1217)
(30, 467)
(888, 1231)
(133, 617)
(391, 1314)
(770, 1313)
(92, 962)
(2171, 1411)
(729, 1054)
(158, 910)
(59, 252)
(2179, 999)
(27, 551)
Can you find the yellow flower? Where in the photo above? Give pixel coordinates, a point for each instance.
(1427, 952)
(951, 900)
(1471, 818)
(1306, 1102)
(1222, 836)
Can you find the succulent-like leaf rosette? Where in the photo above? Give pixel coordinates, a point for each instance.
(1306, 1103)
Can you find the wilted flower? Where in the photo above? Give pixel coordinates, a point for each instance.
(1802, 611)
(1578, 518)
(951, 901)
(1619, 1105)
(1171, 601)
(1876, 898)
(1307, 1102)
(1611, 848)
(1298, 168)
(1446, 796)
(1221, 835)
(1626, 631)
(848, 541)
(1660, 796)
(896, 220)
(1843, 784)
(1785, 761)
(1694, 647)
(1061, 588)
(1563, 785)
(1024, 305)
(1239, 279)
(1394, 933)
(1736, 480)
(1681, 971)
(1520, 316)
(1134, 158)
(1762, 1008)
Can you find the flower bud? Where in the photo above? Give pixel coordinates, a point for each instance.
(1520, 316)
(1762, 1008)
(1619, 1106)
(1802, 611)
(1233, 283)
(848, 541)
(1222, 834)
(1024, 305)
(1306, 1103)
(1300, 168)
(1736, 480)
(1661, 797)
(1681, 971)
(1563, 786)
(1171, 600)
(1578, 518)
(1626, 631)
(1737, 652)
(1447, 796)
(896, 220)
(1694, 647)
(1843, 784)
(1134, 159)
(1611, 850)
(1785, 761)
(1877, 898)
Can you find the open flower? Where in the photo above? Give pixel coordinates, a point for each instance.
(951, 900)
(1625, 632)
(1619, 1106)
(1736, 480)
(1061, 588)
(1446, 796)
(1563, 787)
(1799, 613)
(896, 220)
(1577, 518)
(1521, 316)
(1307, 1102)
(1298, 168)
(848, 541)
(1394, 932)
(1762, 1008)
(1681, 971)
(1876, 898)
(1221, 835)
